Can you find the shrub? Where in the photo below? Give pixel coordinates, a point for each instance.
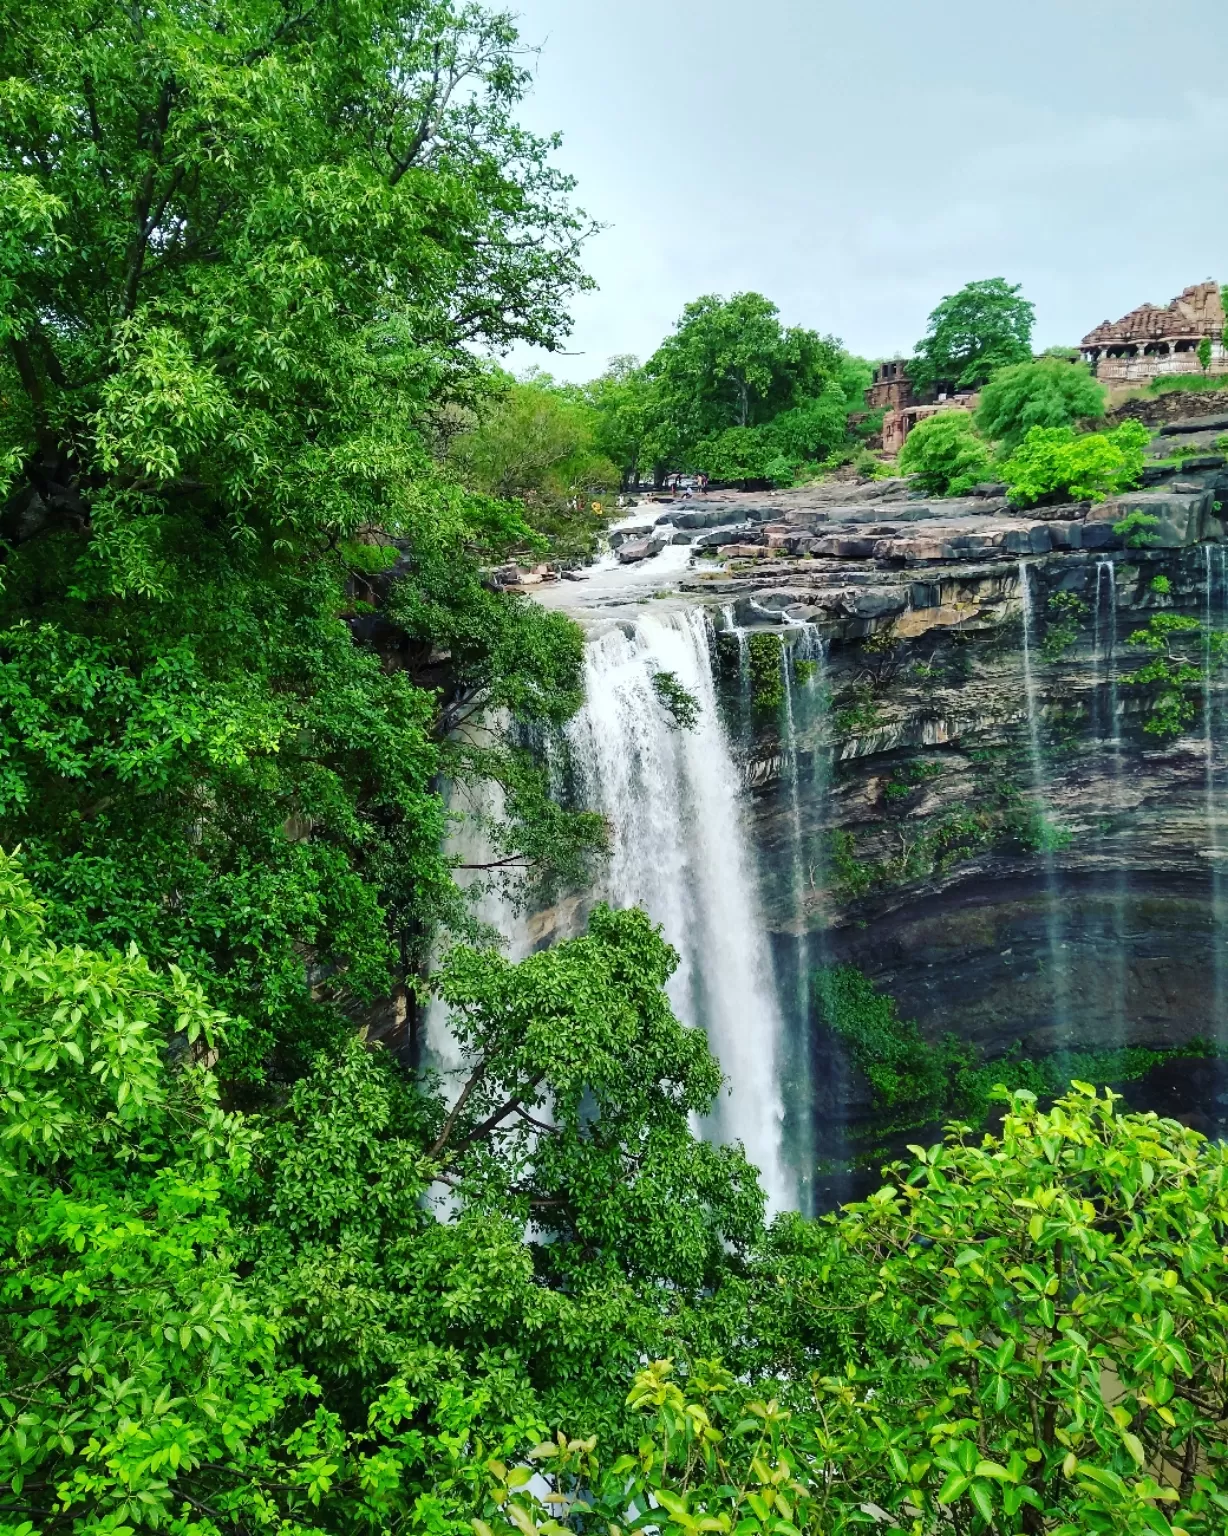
(765, 654)
(676, 699)
(945, 454)
(1057, 462)
(738, 453)
(1048, 393)
(1024, 1333)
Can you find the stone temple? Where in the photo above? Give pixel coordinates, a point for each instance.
(1151, 342)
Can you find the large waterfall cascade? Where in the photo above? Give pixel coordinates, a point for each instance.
(723, 834)
(672, 799)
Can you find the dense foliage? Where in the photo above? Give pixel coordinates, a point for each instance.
(1054, 463)
(243, 1320)
(987, 325)
(1047, 393)
(1022, 1334)
(731, 392)
(248, 251)
(946, 454)
(536, 441)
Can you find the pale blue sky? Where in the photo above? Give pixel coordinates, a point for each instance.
(856, 161)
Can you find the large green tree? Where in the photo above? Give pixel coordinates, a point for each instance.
(985, 326)
(247, 248)
(730, 363)
(536, 441)
(218, 1322)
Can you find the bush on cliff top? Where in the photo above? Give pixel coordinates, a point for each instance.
(1047, 393)
(946, 454)
(1058, 463)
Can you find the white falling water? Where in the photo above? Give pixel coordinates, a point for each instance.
(671, 797)
(1214, 610)
(1106, 659)
(1040, 789)
(473, 808)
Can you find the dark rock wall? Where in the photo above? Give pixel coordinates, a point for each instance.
(910, 811)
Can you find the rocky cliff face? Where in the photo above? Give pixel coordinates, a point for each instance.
(949, 780)
(970, 808)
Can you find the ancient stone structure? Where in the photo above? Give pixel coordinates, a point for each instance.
(892, 388)
(898, 424)
(892, 392)
(1151, 342)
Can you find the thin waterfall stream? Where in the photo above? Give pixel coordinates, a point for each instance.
(1214, 611)
(1111, 727)
(1042, 794)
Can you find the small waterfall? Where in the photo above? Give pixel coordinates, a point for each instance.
(672, 799)
(1040, 791)
(803, 710)
(1215, 607)
(1106, 663)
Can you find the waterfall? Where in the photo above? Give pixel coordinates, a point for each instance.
(802, 708)
(671, 797)
(1040, 791)
(473, 807)
(1106, 661)
(1214, 609)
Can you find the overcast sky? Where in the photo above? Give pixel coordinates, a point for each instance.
(857, 159)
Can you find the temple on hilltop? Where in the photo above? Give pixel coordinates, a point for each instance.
(1151, 342)
(892, 391)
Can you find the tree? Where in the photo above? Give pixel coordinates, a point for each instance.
(536, 442)
(971, 334)
(247, 1320)
(730, 363)
(139, 1373)
(1057, 461)
(1182, 655)
(622, 400)
(249, 251)
(1021, 1333)
(945, 454)
(1048, 393)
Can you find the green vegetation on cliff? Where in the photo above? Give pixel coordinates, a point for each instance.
(916, 1081)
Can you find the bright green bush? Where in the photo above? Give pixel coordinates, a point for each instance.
(1056, 461)
(946, 454)
(1048, 393)
(1022, 1333)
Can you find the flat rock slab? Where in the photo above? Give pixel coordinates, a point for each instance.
(1195, 424)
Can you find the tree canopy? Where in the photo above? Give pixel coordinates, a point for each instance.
(946, 454)
(985, 326)
(250, 250)
(733, 391)
(1048, 393)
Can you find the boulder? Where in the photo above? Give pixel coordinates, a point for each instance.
(839, 548)
(1066, 535)
(876, 602)
(622, 536)
(1181, 517)
(634, 551)
(706, 517)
